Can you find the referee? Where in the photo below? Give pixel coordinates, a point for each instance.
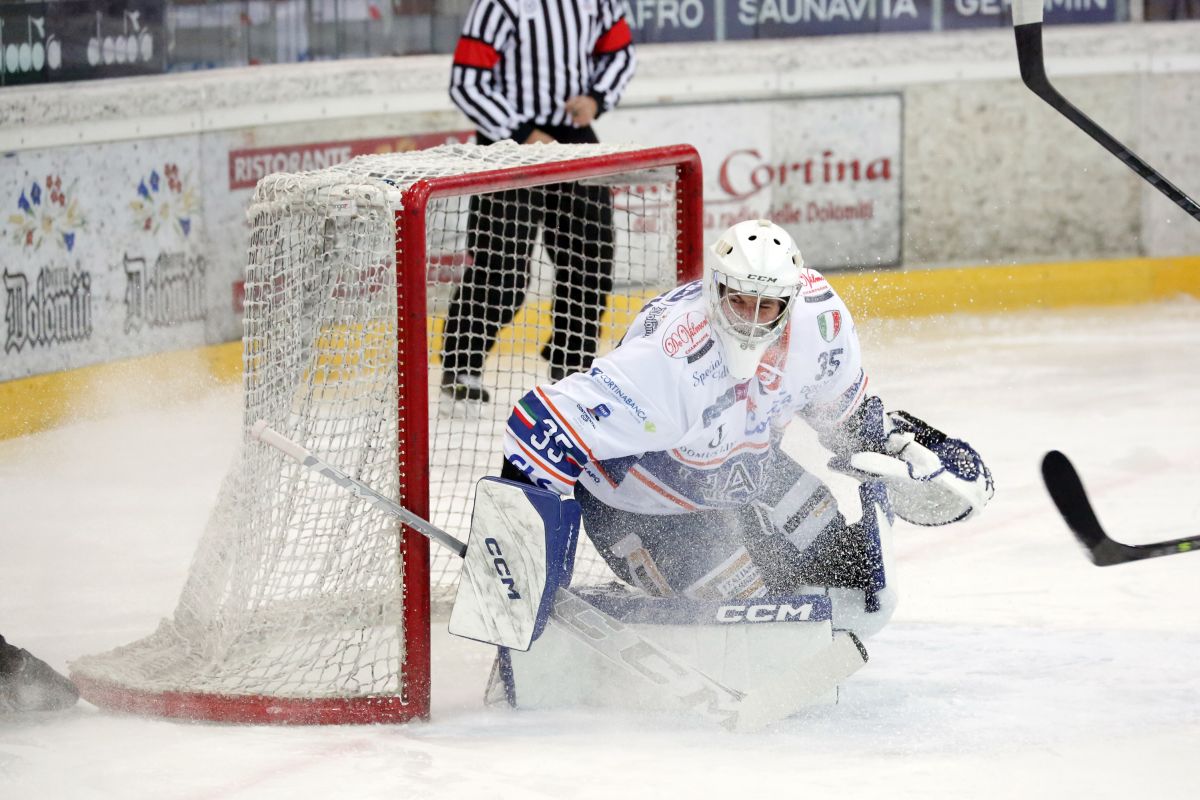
(535, 71)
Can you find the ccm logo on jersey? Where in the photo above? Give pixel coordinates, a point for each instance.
(493, 548)
(764, 612)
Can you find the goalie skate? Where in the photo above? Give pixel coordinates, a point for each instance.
(29, 684)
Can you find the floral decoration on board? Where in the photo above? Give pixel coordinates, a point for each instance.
(164, 199)
(47, 213)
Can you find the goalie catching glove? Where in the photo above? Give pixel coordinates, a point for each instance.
(931, 478)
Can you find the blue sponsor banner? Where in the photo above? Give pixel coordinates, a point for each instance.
(655, 21)
(779, 19)
(712, 20)
(960, 14)
(1082, 12)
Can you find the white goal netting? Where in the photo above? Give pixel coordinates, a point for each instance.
(300, 590)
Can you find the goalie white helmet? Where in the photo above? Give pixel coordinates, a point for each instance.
(749, 289)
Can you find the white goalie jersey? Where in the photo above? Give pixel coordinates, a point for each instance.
(659, 426)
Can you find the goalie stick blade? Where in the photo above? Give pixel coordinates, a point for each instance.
(1066, 489)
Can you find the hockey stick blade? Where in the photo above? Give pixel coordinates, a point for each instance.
(1066, 489)
(1027, 27)
(614, 641)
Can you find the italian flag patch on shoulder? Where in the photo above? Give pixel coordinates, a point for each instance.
(525, 413)
(829, 323)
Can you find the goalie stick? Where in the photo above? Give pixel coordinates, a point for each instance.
(611, 639)
(1027, 26)
(1066, 489)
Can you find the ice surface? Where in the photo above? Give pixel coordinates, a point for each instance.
(1013, 668)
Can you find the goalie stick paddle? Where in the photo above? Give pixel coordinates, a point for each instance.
(1066, 489)
(610, 638)
(1027, 26)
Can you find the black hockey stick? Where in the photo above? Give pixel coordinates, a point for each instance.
(1027, 25)
(1066, 489)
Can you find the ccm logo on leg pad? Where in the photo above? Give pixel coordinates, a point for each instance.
(493, 548)
(765, 612)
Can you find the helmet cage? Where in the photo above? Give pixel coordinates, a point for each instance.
(754, 328)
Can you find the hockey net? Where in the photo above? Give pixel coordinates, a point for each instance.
(305, 604)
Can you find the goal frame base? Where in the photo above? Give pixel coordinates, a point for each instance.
(252, 709)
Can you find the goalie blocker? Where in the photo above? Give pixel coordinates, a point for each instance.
(520, 549)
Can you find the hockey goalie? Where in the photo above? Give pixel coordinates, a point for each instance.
(733, 555)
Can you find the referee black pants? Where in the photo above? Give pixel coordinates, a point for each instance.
(576, 226)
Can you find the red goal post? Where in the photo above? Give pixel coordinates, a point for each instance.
(299, 606)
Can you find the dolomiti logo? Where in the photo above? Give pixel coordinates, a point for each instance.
(167, 292)
(829, 323)
(54, 310)
(686, 335)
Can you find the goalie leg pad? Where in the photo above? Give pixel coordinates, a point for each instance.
(781, 651)
(520, 550)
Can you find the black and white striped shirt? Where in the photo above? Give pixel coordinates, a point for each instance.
(519, 61)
